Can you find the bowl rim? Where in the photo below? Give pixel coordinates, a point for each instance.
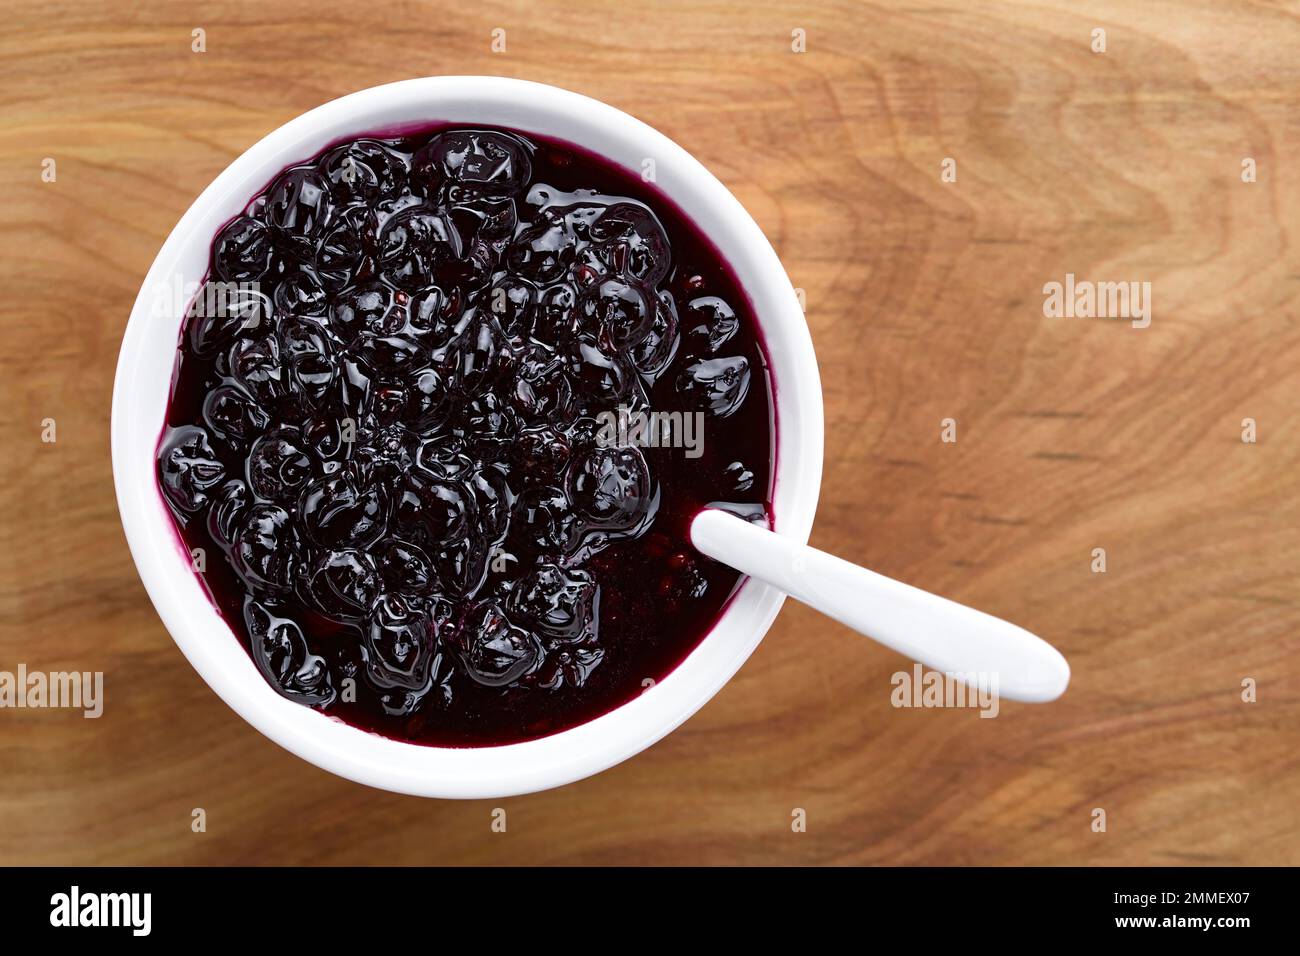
(164, 565)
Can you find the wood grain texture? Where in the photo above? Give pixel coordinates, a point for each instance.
(925, 302)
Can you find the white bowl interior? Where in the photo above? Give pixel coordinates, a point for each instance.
(144, 378)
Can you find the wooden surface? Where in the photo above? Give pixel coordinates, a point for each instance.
(925, 300)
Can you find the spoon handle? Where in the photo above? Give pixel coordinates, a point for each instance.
(956, 640)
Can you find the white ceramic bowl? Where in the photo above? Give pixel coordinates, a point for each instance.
(144, 375)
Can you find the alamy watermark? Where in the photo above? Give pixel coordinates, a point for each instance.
(73, 690)
(1084, 299)
(213, 299)
(74, 908)
(627, 427)
(922, 688)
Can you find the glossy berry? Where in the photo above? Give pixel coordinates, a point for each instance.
(629, 240)
(343, 583)
(347, 247)
(544, 520)
(308, 353)
(242, 250)
(363, 171)
(558, 604)
(417, 245)
(470, 163)
(262, 549)
(343, 511)
(279, 465)
(657, 349)
(228, 504)
(717, 386)
(741, 479)
(255, 364)
(405, 568)
(495, 651)
(610, 488)
(402, 642)
(542, 252)
(298, 209)
(710, 323)
(232, 415)
(622, 311)
(365, 308)
(188, 468)
(280, 652)
(220, 313)
(434, 509)
(300, 293)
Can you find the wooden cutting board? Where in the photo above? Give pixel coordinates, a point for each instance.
(925, 295)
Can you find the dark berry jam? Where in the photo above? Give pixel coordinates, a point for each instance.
(443, 411)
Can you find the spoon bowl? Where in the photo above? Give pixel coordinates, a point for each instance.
(961, 642)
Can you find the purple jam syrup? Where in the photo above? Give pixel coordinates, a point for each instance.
(442, 415)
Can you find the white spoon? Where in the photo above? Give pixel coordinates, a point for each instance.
(956, 640)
